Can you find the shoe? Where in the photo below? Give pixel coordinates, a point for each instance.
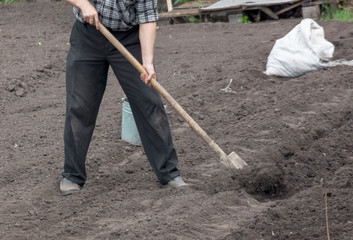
(176, 183)
(68, 187)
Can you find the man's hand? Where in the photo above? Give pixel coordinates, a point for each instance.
(89, 13)
(151, 74)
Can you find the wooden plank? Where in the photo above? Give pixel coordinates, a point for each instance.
(269, 12)
(188, 9)
(290, 7)
(312, 3)
(266, 10)
(196, 4)
(179, 13)
(232, 4)
(267, 3)
(169, 5)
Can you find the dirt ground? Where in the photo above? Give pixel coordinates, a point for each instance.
(291, 132)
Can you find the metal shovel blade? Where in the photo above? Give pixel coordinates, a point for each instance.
(234, 160)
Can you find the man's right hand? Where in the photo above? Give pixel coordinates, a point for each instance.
(89, 13)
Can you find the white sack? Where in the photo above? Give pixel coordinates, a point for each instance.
(300, 51)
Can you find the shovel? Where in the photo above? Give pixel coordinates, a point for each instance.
(232, 160)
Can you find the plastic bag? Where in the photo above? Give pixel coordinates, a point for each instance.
(302, 50)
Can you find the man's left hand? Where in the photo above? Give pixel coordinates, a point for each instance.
(151, 74)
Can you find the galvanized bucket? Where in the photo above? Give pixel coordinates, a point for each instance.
(129, 132)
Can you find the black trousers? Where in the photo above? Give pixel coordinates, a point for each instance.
(88, 60)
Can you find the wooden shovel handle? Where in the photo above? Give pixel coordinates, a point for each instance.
(163, 92)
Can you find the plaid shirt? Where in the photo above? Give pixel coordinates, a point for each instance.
(122, 15)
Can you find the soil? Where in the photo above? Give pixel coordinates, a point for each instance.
(292, 132)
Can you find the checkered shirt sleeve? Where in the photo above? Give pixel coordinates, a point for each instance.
(146, 11)
(122, 15)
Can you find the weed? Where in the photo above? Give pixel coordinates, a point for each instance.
(245, 19)
(194, 19)
(343, 14)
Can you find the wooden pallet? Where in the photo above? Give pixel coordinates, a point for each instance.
(208, 8)
(186, 10)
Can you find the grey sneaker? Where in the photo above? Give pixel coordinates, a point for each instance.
(176, 183)
(68, 187)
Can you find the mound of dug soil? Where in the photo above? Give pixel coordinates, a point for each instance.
(291, 132)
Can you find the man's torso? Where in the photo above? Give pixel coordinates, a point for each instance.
(122, 15)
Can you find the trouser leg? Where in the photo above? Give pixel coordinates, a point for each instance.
(86, 76)
(148, 110)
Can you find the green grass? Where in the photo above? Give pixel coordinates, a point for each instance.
(345, 15)
(341, 14)
(11, 1)
(181, 1)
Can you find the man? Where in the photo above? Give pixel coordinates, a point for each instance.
(133, 22)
